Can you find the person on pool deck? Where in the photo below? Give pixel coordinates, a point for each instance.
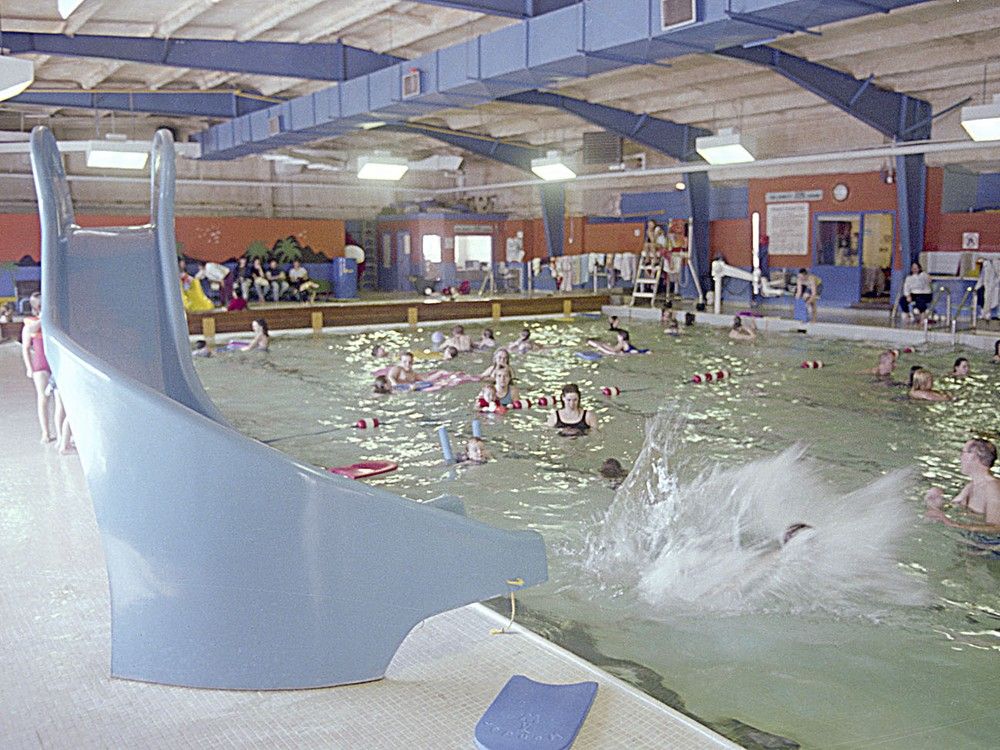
(961, 368)
(922, 388)
(571, 419)
(382, 385)
(668, 320)
(740, 332)
(261, 340)
(981, 496)
(35, 364)
(403, 373)
(916, 295)
(501, 358)
(524, 344)
(258, 275)
(487, 341)
(237, 302)
(278, 279)
(506, 392)
(458, 339)
(622, 346)
(807, 289)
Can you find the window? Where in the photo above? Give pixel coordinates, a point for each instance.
(471, 250)
(431, 248)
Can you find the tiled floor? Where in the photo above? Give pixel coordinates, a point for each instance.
(55, 691)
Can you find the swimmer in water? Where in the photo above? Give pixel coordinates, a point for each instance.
(571, 420)
(458, 339)
(475, 452)
(379, 352)
(923, 387)
(201, 349)
(403, 373)
(980, 497)
(613, 470)
(622, 346)
(613, 323)
(501, 358)
(261, 340)
(961, 368)
(488, 394)
(996, 351)
(886, 364)
(524, 344)
(382, 385)
(449, 352)
(504, 389)
(487, 341)
(741, 332)
(668, 320)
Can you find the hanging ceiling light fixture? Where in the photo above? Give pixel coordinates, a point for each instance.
(551, 167)
(381, 167)
(15, 74)
(982, 121)
(727, 147)
(66, 7)
(116, 154)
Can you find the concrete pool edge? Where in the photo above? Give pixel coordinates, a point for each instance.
(850, 331)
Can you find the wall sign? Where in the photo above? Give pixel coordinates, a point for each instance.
(970, 240)
(473, 229)
(788, 228)
(794, 196)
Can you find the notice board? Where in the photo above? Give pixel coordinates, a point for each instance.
(788, 228)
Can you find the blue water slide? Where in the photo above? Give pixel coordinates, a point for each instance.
(230, 565)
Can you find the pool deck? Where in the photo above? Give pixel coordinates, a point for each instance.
(56, 692)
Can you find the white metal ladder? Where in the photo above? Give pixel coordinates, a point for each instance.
(647, 278)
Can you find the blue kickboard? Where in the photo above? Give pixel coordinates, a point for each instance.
(801, 311)
(528, 714)
(589, 356)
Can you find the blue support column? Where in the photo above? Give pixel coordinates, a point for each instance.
(699, 189)
(911, 198)
(554, 216)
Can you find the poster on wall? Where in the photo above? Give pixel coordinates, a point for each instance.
(788, 228)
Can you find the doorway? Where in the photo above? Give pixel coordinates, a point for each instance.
(853, 255)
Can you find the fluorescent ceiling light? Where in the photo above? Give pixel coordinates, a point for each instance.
(15, 76)
(381, 167)
(982, 122)
(66, 7)
(551, 167)
(728, 147)
(117, 154)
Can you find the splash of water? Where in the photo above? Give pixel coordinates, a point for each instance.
(715, 543)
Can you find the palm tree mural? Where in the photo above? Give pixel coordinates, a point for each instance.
(287, 250)
(257, 249)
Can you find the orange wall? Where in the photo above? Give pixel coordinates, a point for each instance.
(944, 231)
(866, 192)
(215, 238)
(731, 239)
(613, 238)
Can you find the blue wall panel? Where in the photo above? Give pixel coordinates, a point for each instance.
(988, 192)
(729, 203)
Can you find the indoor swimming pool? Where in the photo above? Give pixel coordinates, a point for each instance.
(873, 628)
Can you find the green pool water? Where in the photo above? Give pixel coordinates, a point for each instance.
(846, 667)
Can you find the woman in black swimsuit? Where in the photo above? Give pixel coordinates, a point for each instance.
(571, 419)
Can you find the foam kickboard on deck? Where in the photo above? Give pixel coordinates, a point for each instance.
(528, 714)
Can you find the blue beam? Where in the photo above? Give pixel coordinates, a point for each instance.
(911, 198)
(700, 189)
(667, 137)
(892, 114)
(508, 8)
(217, 104)
(554, 217)
(325, 62)
(492, 148)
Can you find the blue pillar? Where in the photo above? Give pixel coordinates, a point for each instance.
(554, 217)
(699, 190)
(911, 198)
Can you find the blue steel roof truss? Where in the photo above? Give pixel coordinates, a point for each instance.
(326, 62)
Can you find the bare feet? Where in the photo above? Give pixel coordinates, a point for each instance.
(46, 439)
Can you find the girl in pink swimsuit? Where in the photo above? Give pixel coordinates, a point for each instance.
(36, 365)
